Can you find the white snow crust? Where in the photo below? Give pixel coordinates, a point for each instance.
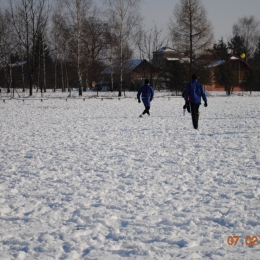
(89, 179)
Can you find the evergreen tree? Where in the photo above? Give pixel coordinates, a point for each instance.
(252, 80)
(256, 57)
(225, 76)
(221, 49)
(253, 75)
(237, 46)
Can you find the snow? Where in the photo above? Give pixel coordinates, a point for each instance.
(89, 179)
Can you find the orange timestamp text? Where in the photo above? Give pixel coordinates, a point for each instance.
(248, 241)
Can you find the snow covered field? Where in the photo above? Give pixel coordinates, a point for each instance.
(90, 180)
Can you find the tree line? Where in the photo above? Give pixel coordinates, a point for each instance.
(65, 44)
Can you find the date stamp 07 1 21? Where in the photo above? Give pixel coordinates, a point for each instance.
(248, 241)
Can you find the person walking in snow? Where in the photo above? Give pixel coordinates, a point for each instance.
(147, 93)
(192, 96)
(187, 102)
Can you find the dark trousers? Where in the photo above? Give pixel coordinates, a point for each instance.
(194, 108)
(146, 111)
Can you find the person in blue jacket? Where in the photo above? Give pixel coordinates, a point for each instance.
(192, 96)
(147, 93)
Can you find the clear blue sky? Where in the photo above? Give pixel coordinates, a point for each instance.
(223, 14)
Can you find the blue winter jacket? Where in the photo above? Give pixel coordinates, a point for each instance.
(147, 94)
(195, 91)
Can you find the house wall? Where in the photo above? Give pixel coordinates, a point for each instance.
(239, 69)
(216, 87)
(142, 71)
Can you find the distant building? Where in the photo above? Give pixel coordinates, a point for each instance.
(135, 71)
(165, 55)
(239, 67)
(169, 62)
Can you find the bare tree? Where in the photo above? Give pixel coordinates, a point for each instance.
(94, 43)
(190, 29)
(58, 43)
(74, 13)
(150, 41)
(248, 28)
(111, 47)
(2, 36)
(42, 54)
(127, 19)
(29, 17)
(60, 47)
(7, 48)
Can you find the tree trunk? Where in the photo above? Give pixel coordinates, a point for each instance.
(67, 78)
(23, 85)
(112, 70)
(55, 75)
(10, 75)
(80, 83)
(62, 77)
(39, 71)
(121, 60)
(44, 70)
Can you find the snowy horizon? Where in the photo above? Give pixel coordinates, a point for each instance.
(88, 179)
